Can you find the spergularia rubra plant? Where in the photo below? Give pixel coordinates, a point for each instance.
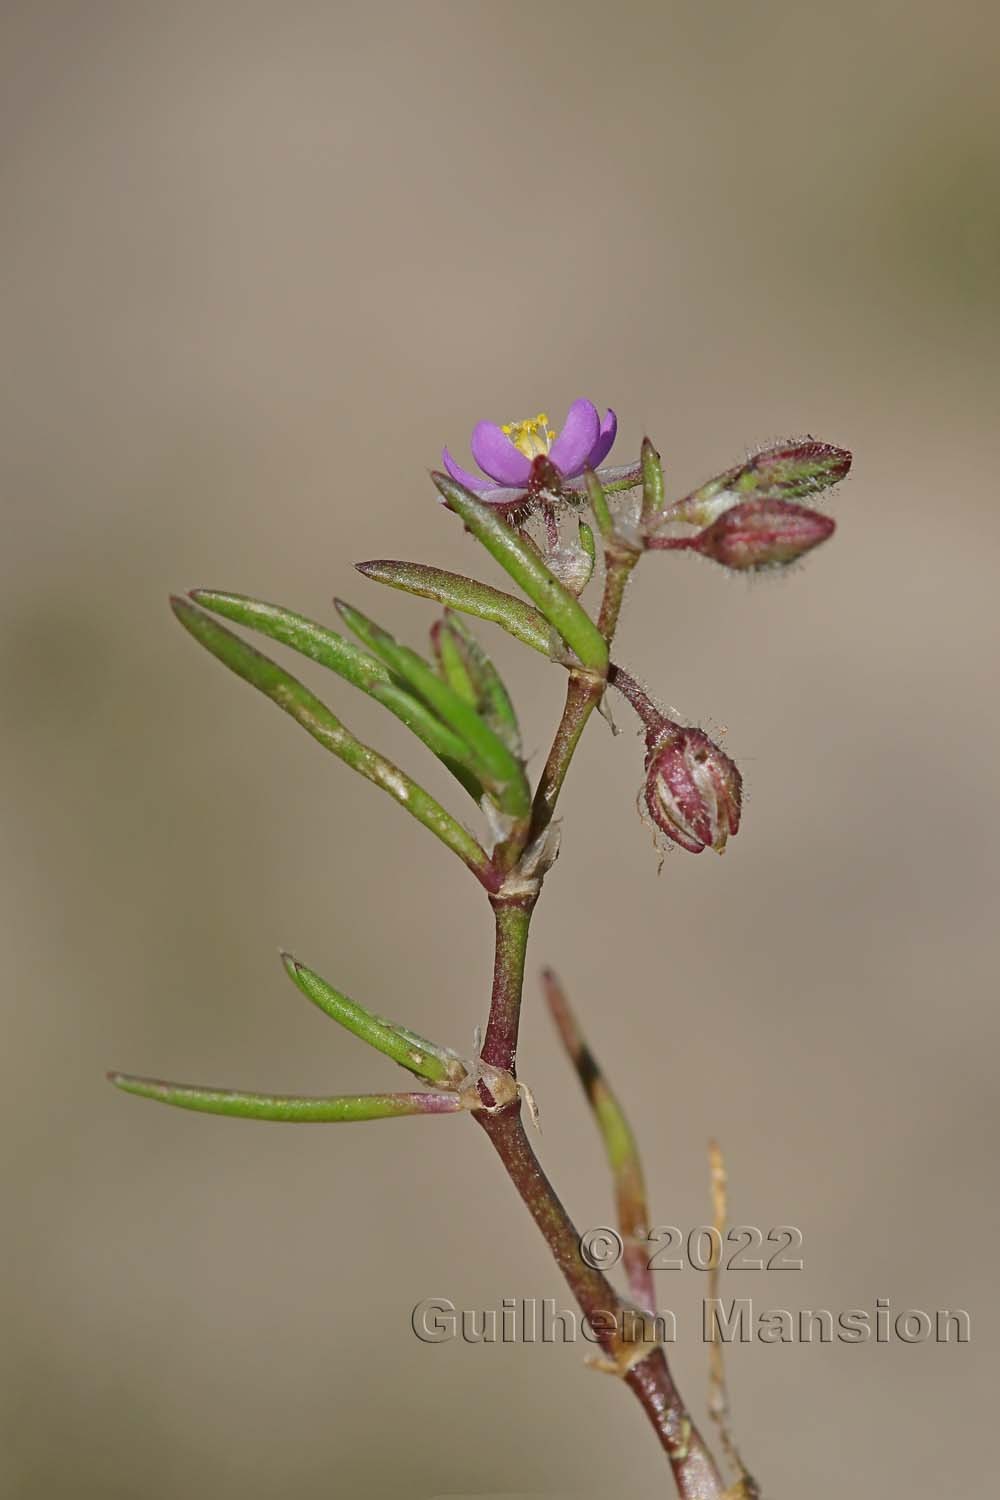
(536, 484)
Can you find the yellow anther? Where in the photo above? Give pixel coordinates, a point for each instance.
(532, 436)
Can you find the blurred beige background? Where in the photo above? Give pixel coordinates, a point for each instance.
(259, 263)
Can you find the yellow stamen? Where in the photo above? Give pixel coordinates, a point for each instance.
(531, 436)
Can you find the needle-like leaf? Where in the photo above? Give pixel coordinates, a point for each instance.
(415, 1053)
(288, 1108)
(306, 709)
(500, 770)
(652, 482)
(356, 666)
(599, 504)
(451, 664)
(467, 595)
(491, 696)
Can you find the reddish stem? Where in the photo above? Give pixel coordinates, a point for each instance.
(694, 1471)
(637, 696)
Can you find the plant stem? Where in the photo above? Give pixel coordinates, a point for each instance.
(637, 696)
(583, 693)
(610, 1317)
(647, 1374)
(513, 918)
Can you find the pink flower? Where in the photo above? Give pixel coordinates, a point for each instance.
(508, 455)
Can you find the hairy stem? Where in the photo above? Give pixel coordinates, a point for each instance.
(636, 695)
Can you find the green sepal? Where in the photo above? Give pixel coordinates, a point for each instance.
(424, 1059)
(492, 700)
(529, 572)
(306, 709)
(287, 1108)
(500, 770)
(352, 664)
(467, 595)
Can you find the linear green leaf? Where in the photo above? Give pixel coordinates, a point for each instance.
(451, 664)
(599, 504)
(413, 1052)
(528, 570)
(468, 595)
(652, 482)
(356, 667)
(502, 772)
(447, 745)
(492, 699)
(302, 634)
(306, 709)
(288, 1108)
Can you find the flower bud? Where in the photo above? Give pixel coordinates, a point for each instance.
(788, 471)
(693, 790)
(794, 469)
(762, 534)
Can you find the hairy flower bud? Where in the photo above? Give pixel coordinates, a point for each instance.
(794, 469)
(788, 471)
(762, 534)
(693, 790)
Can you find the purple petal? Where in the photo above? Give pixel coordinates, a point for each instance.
(496, 455)
(603, 446)
(580, 433)
(472, 482)
(504, 498)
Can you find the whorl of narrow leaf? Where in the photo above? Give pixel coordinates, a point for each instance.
(529, 572)
(468, 595)
(306, 709)
(415, 1053)
(349, 662)
(619, 1144)
(287, 1108)
(501, 771)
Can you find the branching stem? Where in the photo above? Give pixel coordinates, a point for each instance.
(642, 1365)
